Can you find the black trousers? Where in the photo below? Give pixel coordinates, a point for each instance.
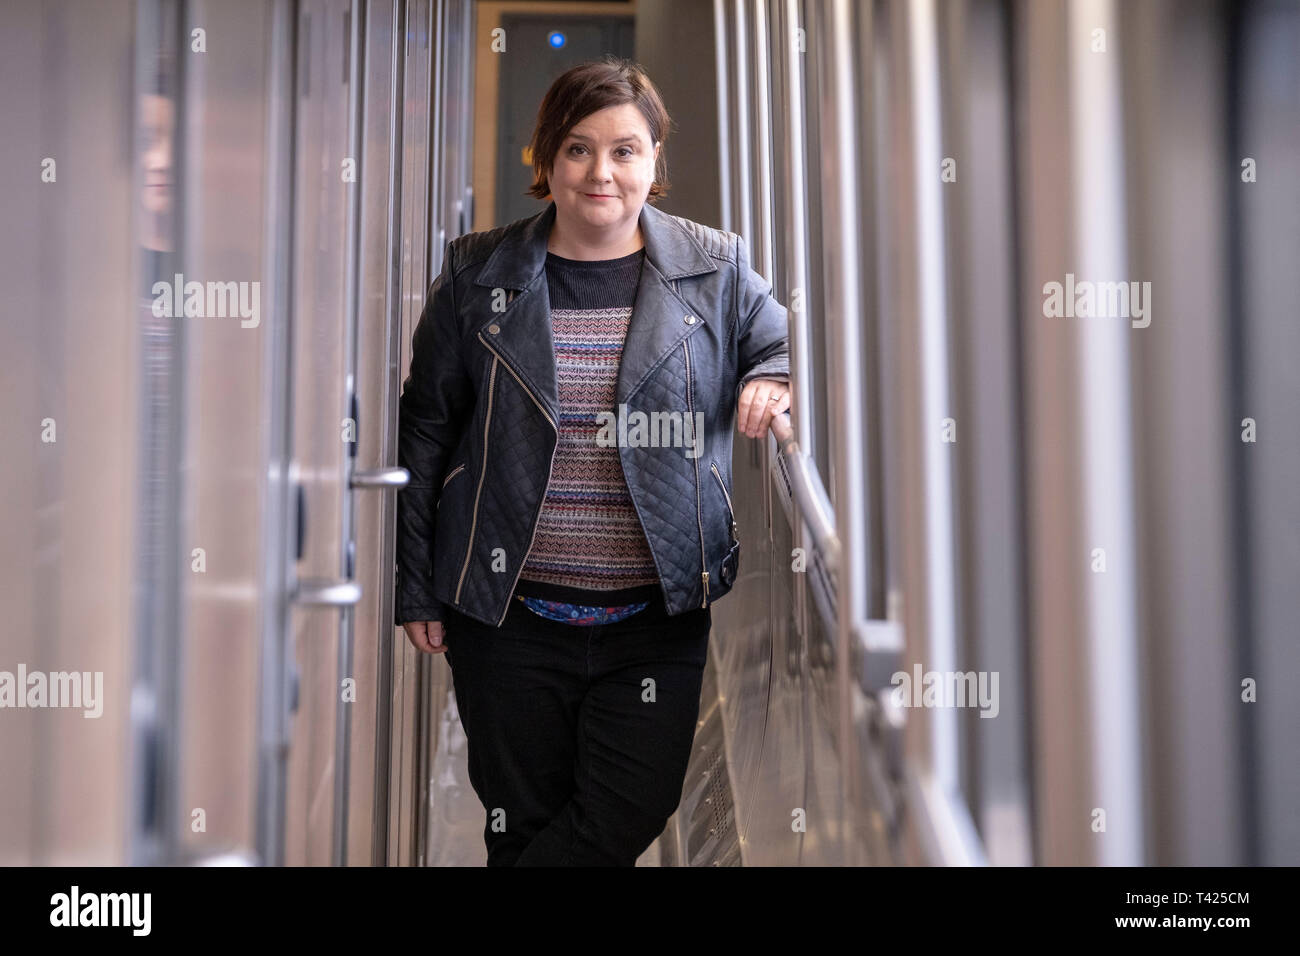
(578, 736)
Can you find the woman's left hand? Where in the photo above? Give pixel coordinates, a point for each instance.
(760, 399)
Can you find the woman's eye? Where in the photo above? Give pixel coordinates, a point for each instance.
(623, 151)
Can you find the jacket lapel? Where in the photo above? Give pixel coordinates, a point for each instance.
(659, 316)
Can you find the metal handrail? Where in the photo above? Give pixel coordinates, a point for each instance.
(809, 491)
(877, 645)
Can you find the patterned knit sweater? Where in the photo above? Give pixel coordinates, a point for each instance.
(589, 547)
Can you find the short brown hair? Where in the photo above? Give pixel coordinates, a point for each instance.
(589, 88)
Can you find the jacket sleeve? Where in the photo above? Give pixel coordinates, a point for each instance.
(763, 326)
(436, 398)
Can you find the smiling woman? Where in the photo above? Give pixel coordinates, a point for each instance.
(602, 168)
(572, 576)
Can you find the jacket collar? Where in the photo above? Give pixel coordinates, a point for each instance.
(521, 254)
(662, 318)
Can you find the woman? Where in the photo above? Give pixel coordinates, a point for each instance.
(567, 427)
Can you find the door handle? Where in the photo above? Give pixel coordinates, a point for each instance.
(319, 592)
(381, 478)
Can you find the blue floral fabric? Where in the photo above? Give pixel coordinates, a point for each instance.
(580, 613)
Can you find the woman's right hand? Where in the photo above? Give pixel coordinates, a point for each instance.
(426, 636)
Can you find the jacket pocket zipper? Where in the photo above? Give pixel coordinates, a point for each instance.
(453, 473)
(690, 407)
(473, 527)
(731, 512)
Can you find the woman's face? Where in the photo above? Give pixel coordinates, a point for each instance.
(603, 170)
(156, 122)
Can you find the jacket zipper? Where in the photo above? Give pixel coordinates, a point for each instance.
(454, 472)
(550, 470)
(487, 423)
(690, 407)
(731, 512)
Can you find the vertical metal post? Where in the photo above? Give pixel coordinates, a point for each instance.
(1105, 412)
(844, 322)
(351, 320)
(384, 669)
(942, 823)
(153, 829)
(277, 547)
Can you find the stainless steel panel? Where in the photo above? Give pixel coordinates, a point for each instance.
(1267, 388)
(1056, 550)
(1173, 88)
(409, 682)
(276, 693)
(987, 453)
(376, 384)
(920, 548)
(322, 432)
(71, 337)
(1082, 622)
(225, 183)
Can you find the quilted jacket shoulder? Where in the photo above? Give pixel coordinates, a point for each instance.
(716, 243)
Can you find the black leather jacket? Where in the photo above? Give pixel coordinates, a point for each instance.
(479, 410)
